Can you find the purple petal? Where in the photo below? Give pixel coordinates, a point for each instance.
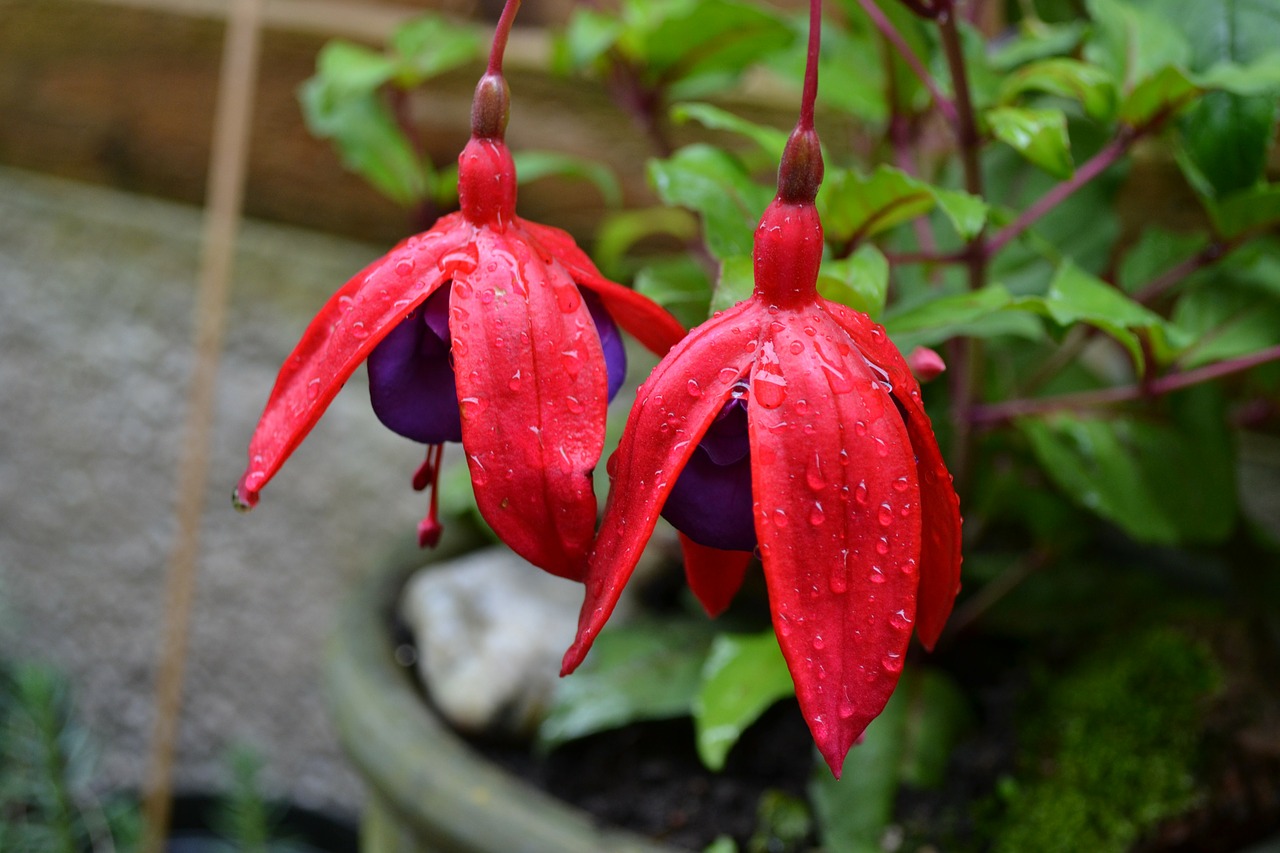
(411, 380)
(711, 500)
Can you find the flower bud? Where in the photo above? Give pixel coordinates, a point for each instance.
(800, 173)
(490, 107)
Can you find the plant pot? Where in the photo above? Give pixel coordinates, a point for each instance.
(428, 789)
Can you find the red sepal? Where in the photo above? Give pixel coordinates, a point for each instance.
(341, 336)
(532, 391)
(673, 409)
(940, 554)
(837, 510)
(714, 576)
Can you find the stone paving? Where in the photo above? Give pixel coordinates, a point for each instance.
(96, 301)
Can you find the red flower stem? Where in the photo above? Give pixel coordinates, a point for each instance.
(500, 34)
(809, 96)
(1093, 167)
(999, 412)
(891, 35)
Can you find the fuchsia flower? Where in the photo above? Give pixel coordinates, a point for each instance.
(489, 329)
(792, 423)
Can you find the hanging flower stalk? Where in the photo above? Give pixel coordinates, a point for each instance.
(792, 424)
(487, 329)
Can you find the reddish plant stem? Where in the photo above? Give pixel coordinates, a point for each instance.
(1094, 166)
(891, 35)
(996, 413)
(500, 34)
(809, 95)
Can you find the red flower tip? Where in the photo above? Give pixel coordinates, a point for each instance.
(926, 364)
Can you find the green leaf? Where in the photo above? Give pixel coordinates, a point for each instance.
(1133, 44)
(989, 312)
(736, 281)
(430, 45)
(1038, 135)
(1156, 252)
(587, 37)
(623, 229)
(770, 140)
(1036, 40)
(643, 671)
(1248, 210)
(680, 285)
(855, 207)
(1226, 138)
(341, 103)
(1163, 483)
(1233, 312)
(910, 742)
(1075, 296)
(714, 184)
(744, 675)
(1157, 97)
(532, 165)
(860, 281)
(1257, 78)
(1088, 85)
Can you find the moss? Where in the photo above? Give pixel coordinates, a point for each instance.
(1117, 743)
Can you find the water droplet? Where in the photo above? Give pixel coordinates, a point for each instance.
(900, 620)
(780, 517)
(770, 389)
(813, 474)
(479, 476)
(892, 663)
(574, 405)
(738, 391)
(358, 331)
(404, 267)
(845, 710)
(796, 347)
(313, 389)
(885, 515)
(571, 362)
(882, 546)
(877, 574)
(816, 516)
(810, 331)
(346, 303)
(909, 567)
(901, 484)
(838, 582)
(486, 296)
(860, 493)
(695, 390)
(471, 406)
(568, 299)
(802, 407)
(728, 374)
(461, 290)
(860, 428)
(844, 456)
(818, 643)
(877, 334)
(514, 382)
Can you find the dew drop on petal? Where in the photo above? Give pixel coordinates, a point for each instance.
(885, 515)
(818, 643)
(845, 710)
(813, 474)
(404, 267)
(877, 574)
(882, 449)
(514, 382)
(860, 428)
(358, 330)
(461, 290)
(346, 303)
(901, 484)
(780, 517)
(574, 405)
(816, 516)
(892, 663)
(728, 374)
(313, 389)
(900, 620)
(882, 546)
(695, 390)
(770, 389)
(568, 299)
(860, 493)
(796, 347)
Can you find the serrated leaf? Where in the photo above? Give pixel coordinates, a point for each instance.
(1088, 85)
(989, 312)
(714, 184)
(855, 207)
(642, 671)
(1075, 296)
(1162, 483)
(532, 165)
(860, 281)
(1038, 135)
(744, 675)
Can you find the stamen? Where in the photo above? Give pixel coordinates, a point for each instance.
(427, 477)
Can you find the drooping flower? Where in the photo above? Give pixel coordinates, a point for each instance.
(792, 424)
(489, 329)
